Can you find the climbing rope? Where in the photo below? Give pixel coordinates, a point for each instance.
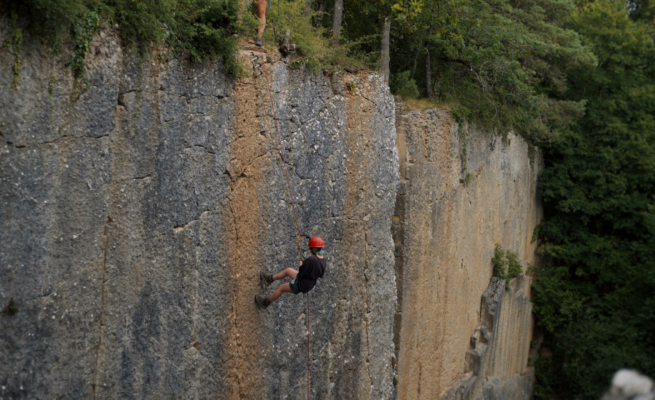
(284, 163)
(307, 345)
(279, 137)
(279, 166)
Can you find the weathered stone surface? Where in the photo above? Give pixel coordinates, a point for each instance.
(500, 346)
(135, 220)
(138, 209)
(461, 193)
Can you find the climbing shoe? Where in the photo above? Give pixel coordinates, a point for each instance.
(258, 41)
(262, 301)
(266, 278)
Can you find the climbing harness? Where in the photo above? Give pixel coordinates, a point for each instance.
(257, 72)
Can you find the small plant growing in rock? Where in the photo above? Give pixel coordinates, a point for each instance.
(506, 265)
(468, 179)
(298, 63)
(514, 267)
(15, 42)
(499, 263)
(82, 31)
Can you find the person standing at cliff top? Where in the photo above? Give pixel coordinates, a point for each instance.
(261, 14)
(303, 280)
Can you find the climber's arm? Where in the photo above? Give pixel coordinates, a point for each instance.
(302, 270)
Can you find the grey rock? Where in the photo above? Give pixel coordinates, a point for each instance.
(138, 209)
(136, 215)
(458, 334)
(495, 344)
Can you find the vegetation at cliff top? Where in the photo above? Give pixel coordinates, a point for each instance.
(502, 64)
(312, 39)
(195, 28)
(499, 63)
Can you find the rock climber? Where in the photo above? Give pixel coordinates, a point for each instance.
(261, 14)
(303, 280)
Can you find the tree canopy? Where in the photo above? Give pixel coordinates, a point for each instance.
(500, 63)
(594, 297)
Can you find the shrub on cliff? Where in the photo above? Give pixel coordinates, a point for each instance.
(402, 85)
(506, 265)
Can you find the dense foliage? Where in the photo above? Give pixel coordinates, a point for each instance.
(197, 28)
(595, 296)
(500, 63)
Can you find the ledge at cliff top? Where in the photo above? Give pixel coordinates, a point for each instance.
(138, 209)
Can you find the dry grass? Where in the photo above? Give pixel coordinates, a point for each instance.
(425, 104)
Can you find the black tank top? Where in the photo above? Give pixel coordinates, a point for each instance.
(311, 269)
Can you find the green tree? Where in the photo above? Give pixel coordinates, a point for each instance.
(372, 25)
(500, 63)
(594, 296)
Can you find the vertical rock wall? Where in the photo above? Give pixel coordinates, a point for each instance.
(138, 209)
(461, 193)
(497, 364)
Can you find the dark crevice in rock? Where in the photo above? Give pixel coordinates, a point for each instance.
(60, 138)
(208, 151)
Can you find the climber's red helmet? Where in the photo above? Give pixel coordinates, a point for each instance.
(316, 243)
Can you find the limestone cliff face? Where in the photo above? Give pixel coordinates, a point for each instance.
(458, 333)
(138, 210)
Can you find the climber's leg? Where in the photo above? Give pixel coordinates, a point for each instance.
(261, 14)
(284, 288)
(290, 272)
(262, 301)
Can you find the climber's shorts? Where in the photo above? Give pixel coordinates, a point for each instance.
(294, 286)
